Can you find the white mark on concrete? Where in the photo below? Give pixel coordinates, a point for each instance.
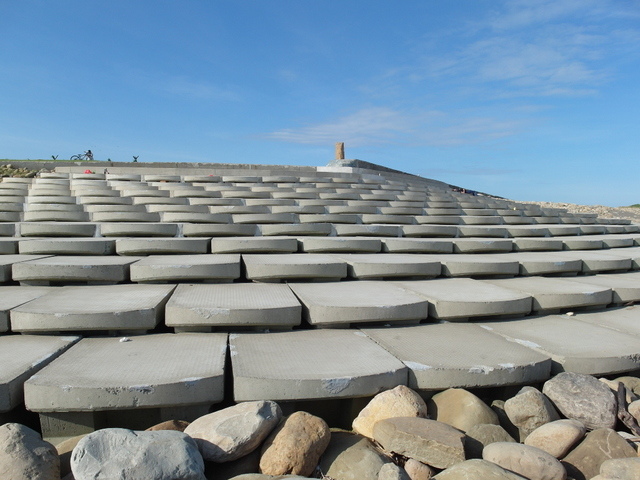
(211, 312)
(41, 359)
(570, 314)
(485, 369)
(65, 388)
(510, 367)
(142, 389)
(526, 343)
(124, 339)
(336, 385)
(360, 334)
(191, 381)
(486, 327)
(68, 339)
(559, 264)
(417, 366)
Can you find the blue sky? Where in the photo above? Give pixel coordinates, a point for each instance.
(526, 99)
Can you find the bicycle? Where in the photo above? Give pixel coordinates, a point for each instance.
(83, 156)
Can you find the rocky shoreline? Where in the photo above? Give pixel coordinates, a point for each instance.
(575, 427)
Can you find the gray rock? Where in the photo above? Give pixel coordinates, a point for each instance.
(25, 456)
(621, 469)
(529, 409)
(477, 470)
(583, 398)
(390, 471)
(460, 409)
(119, 453)
(295, 446)
(351, 457)
(398, 402)
(428, 441)
(479, 436)
(530, 462)
(584, 461)
(556, 438)
(233, 432)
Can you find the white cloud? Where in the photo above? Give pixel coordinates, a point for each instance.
(378, 125)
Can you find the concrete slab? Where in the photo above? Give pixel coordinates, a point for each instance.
(341, 303)
(417, 245)
(612, 241)
(457, 299)
(67, 246)
(528, 244)
(553, 294)
(478, 265)
(186, 268)
(13, 296)
(296, 229)
(624, 320)
(456, 355)
(165, 370)
(482, 245)
(104, 269)
(254, 245)
(338, 218)
(138, 229)
(306, 365)
(217, 230)
(609, 261)
(343, 230)
(194, 217)
(149, 246)
(547, 263)
(625, 286)
(127, 308)
(21, 356)
(340, 244)
(283, 267)
(119, 216)
(376, 266)
(7, 262)
(57, 229)
(573, 345)
(235, 305)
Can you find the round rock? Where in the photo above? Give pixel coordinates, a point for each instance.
(295, 446)
(400, 401)
(556, 438)
(235, 431)
(461, 409)
(477, 469)
(352, 457)
(583, 398)
(24, 455)
(530, 409)
(530, 462)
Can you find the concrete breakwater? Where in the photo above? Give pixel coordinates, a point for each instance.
(574, 427)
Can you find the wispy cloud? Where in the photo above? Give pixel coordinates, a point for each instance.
(379, 125)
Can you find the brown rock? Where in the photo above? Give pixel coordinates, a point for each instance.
(64, 450)
(351, 457)
(621, 469)
(530, 462)
(460, 409)
(479, 436)
(295, 446)
(418, 470)
(632, 383)
(634, 410)
(584, 461)
(24, 455)
(398, 402)
(557, 438)
(428, 441)
(529, 409)
(178, 425)
(477, 470)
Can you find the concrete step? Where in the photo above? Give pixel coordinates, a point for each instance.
(8, 261)
(126, 308)
(150, 229)
(67, 246)
(14, 296)
(624, 320)
(344, 303)
(57, 229)
(21, 357)
(96, 270)
(574, 345)
(459, 299)
(9, 246)
(547, 263)
(254, 245)
(457, 355)
(556, 294)
(375, 266)
(256, 305)
(295, 229)
(625, 286)
(340, 244)
(218, 268)
(150, 246)
(417, 245)
(285, 267)
(309, 365)
(169, 375)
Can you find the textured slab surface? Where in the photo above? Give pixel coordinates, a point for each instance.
(454, 298)
(111, 307)
(556, 293)
(21, 356)
(275, 267)
(145, 371)
(625, 286)
(547, 263)
(11, 297)
(362, 301)
(106, 269)
(574, 346)
(311, 364)
(190, 268)
(625, 320)
(261, 305)
(446, 355)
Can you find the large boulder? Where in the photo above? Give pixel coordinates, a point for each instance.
(352, 457)
(556, 438)
(529, 409)
(25, 456)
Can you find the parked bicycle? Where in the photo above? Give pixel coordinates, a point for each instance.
(88, 155)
